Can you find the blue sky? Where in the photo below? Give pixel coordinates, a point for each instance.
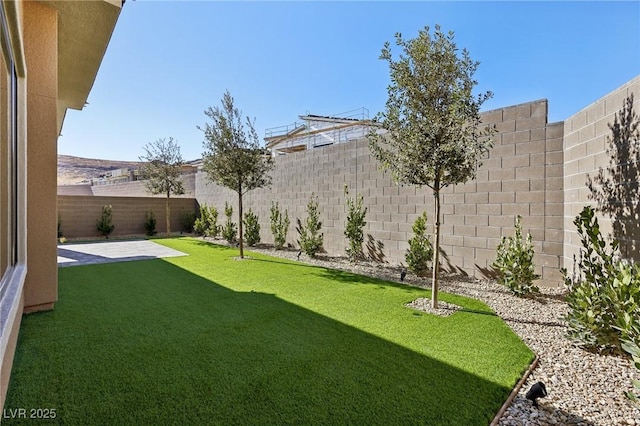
(169, 61)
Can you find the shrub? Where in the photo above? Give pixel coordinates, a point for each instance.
(105, 223)
(604, 297)
(310, 238)
(200, 224)
(150, 223)
(514, 262)
(420, 251)
(251, 228)
(207, 223)
(61, 238)
(355, 225)
(188, 220)
(634, 350)
(230, 230)
(279, 225)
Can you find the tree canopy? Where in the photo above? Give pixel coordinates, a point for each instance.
(233, 157)
(162, 170)
(434, 135)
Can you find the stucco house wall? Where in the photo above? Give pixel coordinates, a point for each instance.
(55, 49)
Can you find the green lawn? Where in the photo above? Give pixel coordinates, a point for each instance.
(209, 339)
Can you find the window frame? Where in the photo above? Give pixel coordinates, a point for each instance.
(10, 173)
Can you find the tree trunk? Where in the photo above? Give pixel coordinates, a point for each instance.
(240, 225)
(168, 214)
(435, 278)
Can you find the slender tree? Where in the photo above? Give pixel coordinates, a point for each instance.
(233, 156)
(162, 171)
(433, 131)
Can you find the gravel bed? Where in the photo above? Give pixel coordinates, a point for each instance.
(583, 388)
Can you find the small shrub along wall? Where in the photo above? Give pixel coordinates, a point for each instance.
(521, 176)
(536, 169)
(78, 214)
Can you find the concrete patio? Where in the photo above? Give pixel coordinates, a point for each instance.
(112, 251)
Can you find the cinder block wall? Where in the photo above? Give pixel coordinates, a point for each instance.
(137, 189)
(78, 214)
(521, 176)
(585, 145)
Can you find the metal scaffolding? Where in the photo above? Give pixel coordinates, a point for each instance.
(314, 131)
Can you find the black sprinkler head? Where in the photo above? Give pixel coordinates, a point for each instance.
(538, 390)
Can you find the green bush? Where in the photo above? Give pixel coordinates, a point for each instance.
(230, 229)
(251, 228)
(150, 223)
(355, 225)
(207, 223)
(59, 227)
(634, 350)
(420, 251)
(310, 238)
(200, 224)
(212, 227)
(105, 223)
(514, 262)
(604, 297)
(188, 220)
(279, 225)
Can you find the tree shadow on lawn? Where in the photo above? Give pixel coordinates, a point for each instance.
(167, 344)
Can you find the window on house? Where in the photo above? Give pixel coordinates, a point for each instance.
(8, 154)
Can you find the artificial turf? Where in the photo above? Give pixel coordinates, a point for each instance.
(208, 339)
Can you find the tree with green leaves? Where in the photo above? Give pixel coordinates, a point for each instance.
(233, 157)
(162, 171)
(434, 135)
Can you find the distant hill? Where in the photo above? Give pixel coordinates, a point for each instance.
(72, 170)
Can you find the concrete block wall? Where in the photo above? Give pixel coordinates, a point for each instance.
(137, 189)
(78, 214)
(521, 176)
(585, 145)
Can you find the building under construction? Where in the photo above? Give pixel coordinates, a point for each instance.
(315, 131)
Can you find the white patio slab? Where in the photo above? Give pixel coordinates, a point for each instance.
(112, 251)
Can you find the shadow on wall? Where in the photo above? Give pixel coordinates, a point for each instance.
(616, 188)
(375, 249)
(450, 267)
(489, 272)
